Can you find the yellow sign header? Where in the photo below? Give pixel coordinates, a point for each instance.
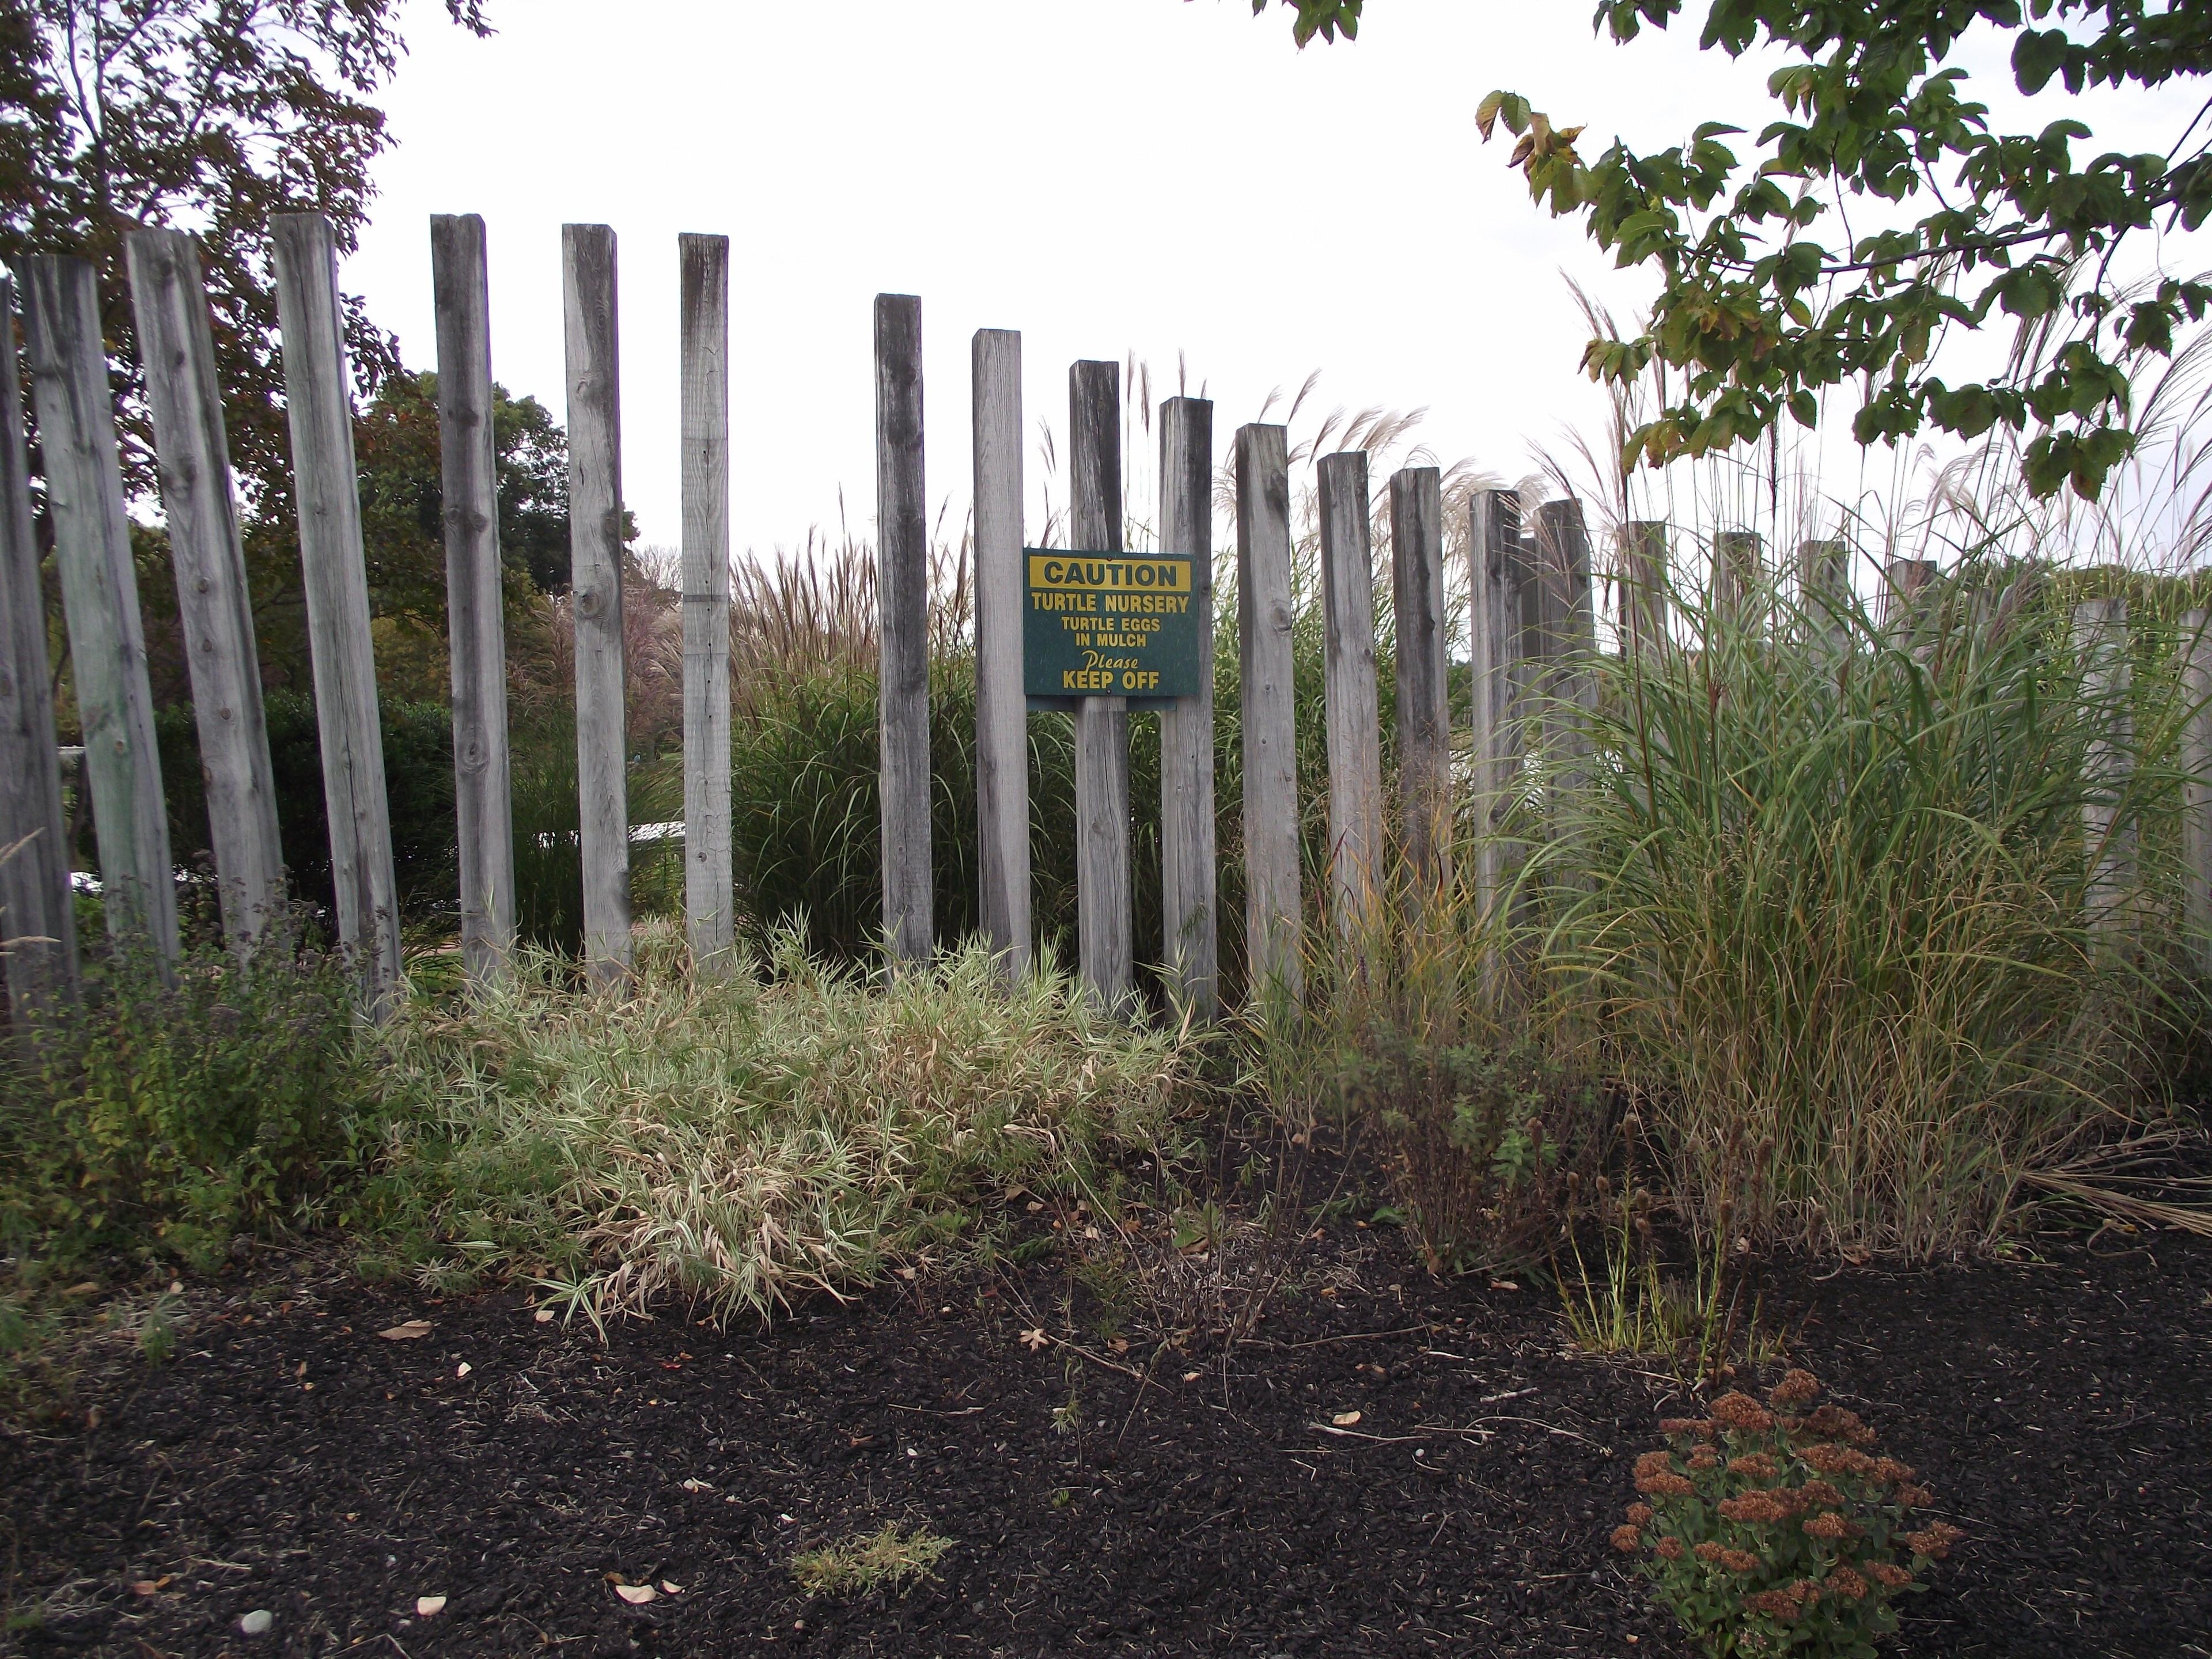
(1131, 572)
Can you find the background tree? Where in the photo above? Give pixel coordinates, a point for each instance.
(1768, 294)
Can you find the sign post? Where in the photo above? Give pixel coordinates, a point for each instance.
(1109, 625)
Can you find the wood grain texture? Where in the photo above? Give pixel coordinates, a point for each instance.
(2196, 787)
(468, 457)
(2100, 646)
(38, 921)
(1351, 715)
(1643, 583)
(1102, 724)
(99, 597)
(903, 595)
(1417, 601)
(1274, 911)
(1002, 732)
(1824, 592)
(1903, 581)
(176, 345)
(318, 399)
(1569, 626)
(1495, 635)
(1188, 855)
(595, 518)
(709, 891)
(1739, 569)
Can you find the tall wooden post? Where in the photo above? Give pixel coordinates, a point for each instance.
(1268, 715)
(1903, 582)
(1102, 724)
(38, 921)
(1570, 617)
(177, 346)
(709, 894)
(1417, 588)
(100, 594)
(467, 453)
(1644, 608)
(1187, 853)
(318, 399)
(1824, 592)
(2100, 644)
(1497, 580)
(595, 536)
(2197, 788)
(1002, 730)
(1739, 572)
(903, 598)
(1355, 757)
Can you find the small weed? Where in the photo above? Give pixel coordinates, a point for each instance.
(157, 1331)
(858, 1563)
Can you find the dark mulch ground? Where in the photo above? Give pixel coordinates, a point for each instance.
(292, 1460)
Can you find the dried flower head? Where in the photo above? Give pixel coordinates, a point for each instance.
(1834, 1423)
(1933, 1540)
(1756, 1508)
(1887, 1574)
(1666, 1485)
(1654, 1462)
(1668, 1549)
(1820, 1495)
(1842, 1580)
(1829, 1525)
(1639, 1515)
(1914, 1497)
(1628, 1539)
(1796, 1389)
(1755, 1466)
(1703, 1459)
(1830, 1458)
(1891, 1473)
(1739, 1560)
(1777, 1604)
(1679, 1428)
(1711, 1551)
(1741, 1412)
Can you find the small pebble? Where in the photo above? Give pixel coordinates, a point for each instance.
(256, 1622)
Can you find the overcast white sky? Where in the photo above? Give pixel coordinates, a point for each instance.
(1163, 176)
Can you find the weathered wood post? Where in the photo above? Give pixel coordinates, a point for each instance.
(468, 454)
(100, 595)
(1824, 592)
(38, 921)
(176, 344)
(1102, 724)
(1187, 853)
(1643, 606)
(1740, 575)
(1354, 726)
(1495, 636)
(2100, 644)
(1268, 715)
(709, 893)
(2196, 787)
(319, 401)
(1002, 730)
(595, 549)
(1903, 582)
(902, 597)
(1417, 593)
(1569, 619)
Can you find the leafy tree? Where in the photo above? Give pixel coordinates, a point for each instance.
(206, 116)
(1760, 312)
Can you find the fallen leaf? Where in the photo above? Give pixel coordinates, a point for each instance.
(1120, 1345)
(1090, 1233)
(1190, 1377)
(429, 1606)
(672, 1590)
(1035, 1338)
(1035, 1205)
(1503, 1285)
(407, 1333)
(696, 1486)
(544, 1315)
(636, 1595)
(144, 1587)
(86, 1289)
(1344, 1419)
(463, 1369)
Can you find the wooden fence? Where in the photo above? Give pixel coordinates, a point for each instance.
(1531, 630)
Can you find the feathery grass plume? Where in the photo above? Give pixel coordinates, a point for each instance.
(738, 1142)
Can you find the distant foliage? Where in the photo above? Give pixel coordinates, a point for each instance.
(1770, 1532)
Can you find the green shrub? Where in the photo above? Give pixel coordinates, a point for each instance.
(181, 1114)
(1768, 1532)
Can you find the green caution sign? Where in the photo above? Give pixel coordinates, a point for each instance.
(1111, 625)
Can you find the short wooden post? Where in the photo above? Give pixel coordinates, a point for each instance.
(1002, 730)
(1268, 715)
(1102, 724)
(2100, 644)
(1417, 591)
(1824, 592)
(318, 400)
(2197, 788)
(100, 594)
(902, 597)
(1355, 758)
(1495, 637)
(709, 893)
(468, 455)
(595, 552)
(1739, 576)
(1903, 582)
(1643, 605)
(1187, 853)
(38, 921)
(176, 344)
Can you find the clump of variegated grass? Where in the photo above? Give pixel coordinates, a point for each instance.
(852, 1566)
(736, 1142)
